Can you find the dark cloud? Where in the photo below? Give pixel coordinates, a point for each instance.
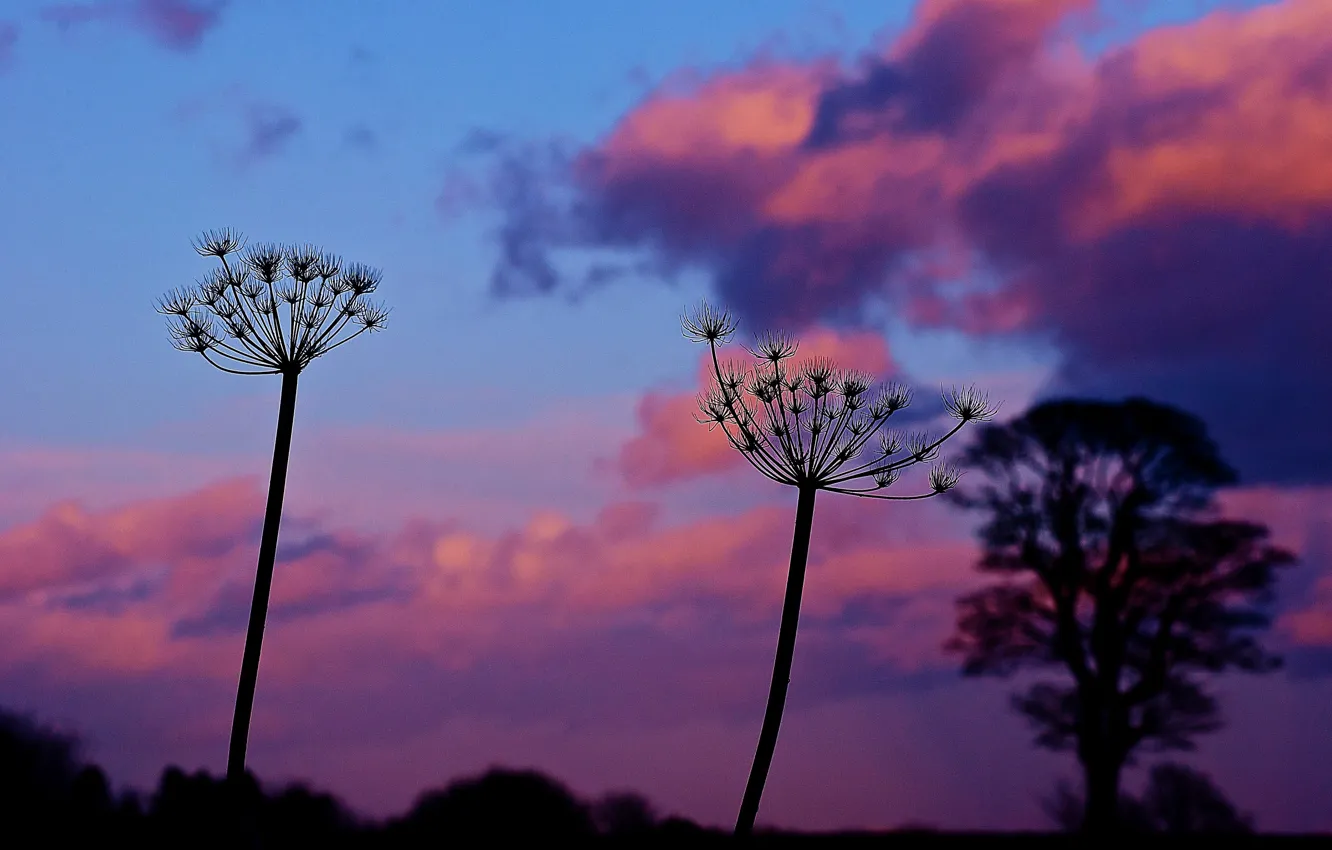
(230, 612)
(330, 570)
(113, 598)
(1162, 214)
(952, 64)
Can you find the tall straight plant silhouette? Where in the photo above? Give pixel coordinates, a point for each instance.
(270, 310)
(803, 426)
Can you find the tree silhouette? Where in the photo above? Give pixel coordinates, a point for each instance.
(1118, 572)
(38, 768)
(47, 789)
(235, 318)
(801, 426)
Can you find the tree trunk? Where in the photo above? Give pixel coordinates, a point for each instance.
(263, 581)
(1102, 774)
(781, 669)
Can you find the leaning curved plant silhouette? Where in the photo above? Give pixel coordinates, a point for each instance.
(804, 426)
(269, 310)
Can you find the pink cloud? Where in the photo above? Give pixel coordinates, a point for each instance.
(673, 445)
(148, 580)
(174, 24)
(67, 545)
(1301, 520)
(1312, 625)
(564, 642)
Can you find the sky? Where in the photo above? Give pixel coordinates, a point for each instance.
(506, 541)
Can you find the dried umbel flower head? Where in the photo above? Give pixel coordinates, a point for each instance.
(269, 308)
(804, 423)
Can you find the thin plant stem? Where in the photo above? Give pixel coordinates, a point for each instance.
(263, 581)
(781, 668)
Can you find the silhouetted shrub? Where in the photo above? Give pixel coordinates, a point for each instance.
(1181, 799)
(201, 811)
(46, 790)
(38, 767)
(498, 808)
(1177, 799)
(298, 816)
(624, 813)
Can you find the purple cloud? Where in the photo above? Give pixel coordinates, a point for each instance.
(174, 24)
(8, 37)
(269, 128)
(1155, 211)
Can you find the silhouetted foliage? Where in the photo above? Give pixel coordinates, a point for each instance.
(298, 815)
(46, 789)
(501, 808)
(194, 808)
(1100, 516)
(624, 813)
(234, 317)
(1181, 799)
(1177, 799)
(504, 806)
(805, 425)
(38, 767)
(198, 809)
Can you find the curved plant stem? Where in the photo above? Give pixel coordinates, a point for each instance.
(781, 669)
(263, 582)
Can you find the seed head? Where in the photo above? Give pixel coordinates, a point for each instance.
(714, 408)
(734, 375)
(748, 442)
(251, 288)
(889, 399)
(774, 347)
(361, 279)
(218, 243)
(327, 266)
(854, 385)
(301, 263)
(266, 262)
(886, 478)
(890, 442)
(944, 477)
(819, 372)
(918, 446)
(709, 324)
(177, 302)
(969, 404)
(372, 317)
(323, 297)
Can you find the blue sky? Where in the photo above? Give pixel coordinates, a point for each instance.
(119, 149)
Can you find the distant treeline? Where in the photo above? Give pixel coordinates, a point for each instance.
(50, 797)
